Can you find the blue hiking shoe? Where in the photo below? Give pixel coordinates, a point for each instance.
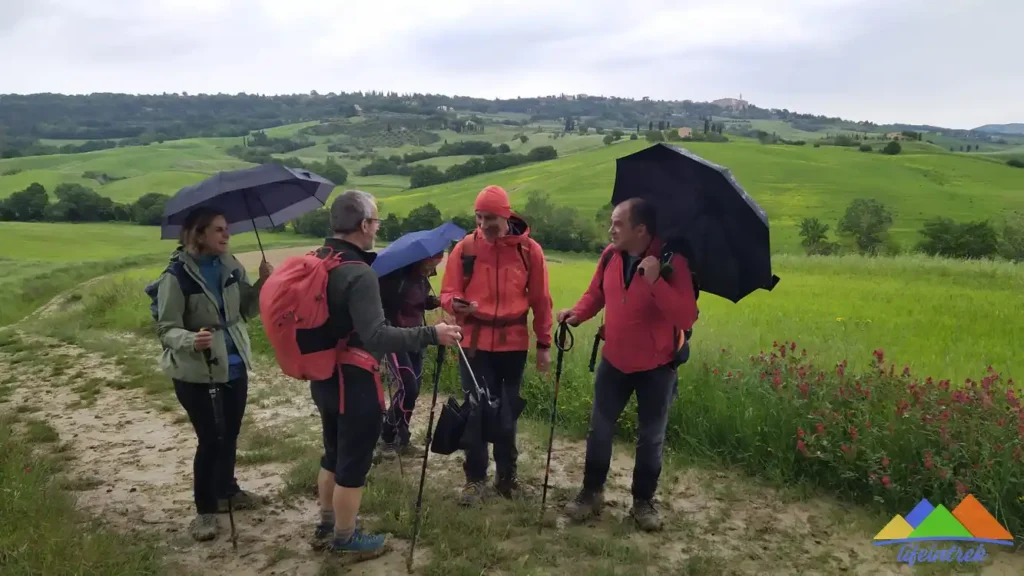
(323, 533)
(361, 546)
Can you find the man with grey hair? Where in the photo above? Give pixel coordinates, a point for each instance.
(350, 402)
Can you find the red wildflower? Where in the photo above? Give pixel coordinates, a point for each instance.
(777, 381)
(820, 428)
(944, 385)
(961, 488)
(729, 374)
(885, 461)
(868, 424)
(28, 469)
(804, 389)
(845, 449)
(799, 432)
(1011, 398)
(840, 369)
(792, 345)
(886, 482)
(801, 447)
(942, 474)
(803, 352)
(764, 375)
(928, 460)
(906, 370)
(853, 432)
(1001, 422)
(715, 371)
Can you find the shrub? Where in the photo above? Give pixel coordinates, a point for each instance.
(881, 435)
(865, 148)
(892, 148)
(945, 237)
(1015, 162)
(633, 137)
(866, 224)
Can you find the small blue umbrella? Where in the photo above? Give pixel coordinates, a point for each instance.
(416, 246)
(261, 197)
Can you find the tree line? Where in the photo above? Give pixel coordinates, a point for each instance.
(77, 203)
(561, 228)
(864, 229)
(421, 176)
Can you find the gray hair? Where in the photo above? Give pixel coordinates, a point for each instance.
(350, 209)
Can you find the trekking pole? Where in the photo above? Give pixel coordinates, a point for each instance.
(563, 330)
(426, 451)
(218, 418)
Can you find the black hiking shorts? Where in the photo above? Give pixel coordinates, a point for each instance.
(349, 438)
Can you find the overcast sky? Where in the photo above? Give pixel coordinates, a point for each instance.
(955, 63)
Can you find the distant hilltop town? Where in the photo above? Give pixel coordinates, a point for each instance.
(732, 103)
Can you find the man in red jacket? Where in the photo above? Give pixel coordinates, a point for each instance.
(645, 316)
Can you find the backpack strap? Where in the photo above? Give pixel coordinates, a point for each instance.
(469, 257)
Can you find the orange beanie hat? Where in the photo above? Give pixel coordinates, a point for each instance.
(493, 199)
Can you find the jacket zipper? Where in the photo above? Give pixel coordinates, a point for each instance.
(497, 290)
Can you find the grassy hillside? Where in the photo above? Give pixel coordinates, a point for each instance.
(169, 166)
(790, 182)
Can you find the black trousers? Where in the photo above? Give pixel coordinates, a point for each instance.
(213, 469)
(655, 390)
(396, 421)
(349, 438)
(501, 373)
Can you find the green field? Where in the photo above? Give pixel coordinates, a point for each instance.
(789, 182)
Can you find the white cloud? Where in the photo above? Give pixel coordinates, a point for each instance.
(939, 61)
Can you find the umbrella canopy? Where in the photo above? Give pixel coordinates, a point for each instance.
(416, 246)
(261, 197)
(705, 214)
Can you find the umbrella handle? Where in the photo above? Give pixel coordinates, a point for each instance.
(480, 391)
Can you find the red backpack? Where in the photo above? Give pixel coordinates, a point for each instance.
(293, 304)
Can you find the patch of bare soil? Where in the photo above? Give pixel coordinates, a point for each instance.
(133, 462)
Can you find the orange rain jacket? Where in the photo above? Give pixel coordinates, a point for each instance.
(507, 278)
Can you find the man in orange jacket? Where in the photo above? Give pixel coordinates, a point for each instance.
(493, 277)
(647, 308)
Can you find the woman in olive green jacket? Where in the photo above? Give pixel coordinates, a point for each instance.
(203, 301)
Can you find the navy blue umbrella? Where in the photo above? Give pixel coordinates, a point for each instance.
(705, 214)
(261, 197)
(416, 246)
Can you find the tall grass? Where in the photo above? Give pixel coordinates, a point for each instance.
(40, 530)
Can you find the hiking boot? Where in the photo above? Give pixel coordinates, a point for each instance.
(586, 504)
(204, 527)
(361, 546)
(242, 500)
(508, 486)
(645, 515)
(472, 492)
(324, 531)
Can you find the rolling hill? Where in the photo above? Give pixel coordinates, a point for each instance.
(1016, 128)
(790, 183)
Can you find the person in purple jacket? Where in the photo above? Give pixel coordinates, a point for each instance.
(405, 295)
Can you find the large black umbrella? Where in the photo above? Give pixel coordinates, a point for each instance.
(261, 197)
(705, 214)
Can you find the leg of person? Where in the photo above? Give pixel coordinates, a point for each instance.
(235, 395)
(510, 367)
(654, 393)
(612, 390)
(195, 399)
(412, 380)
(476, 463)
(358, 430)
(325, 396)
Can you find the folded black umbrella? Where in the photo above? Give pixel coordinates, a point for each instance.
(451, 426)
(705, 215)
